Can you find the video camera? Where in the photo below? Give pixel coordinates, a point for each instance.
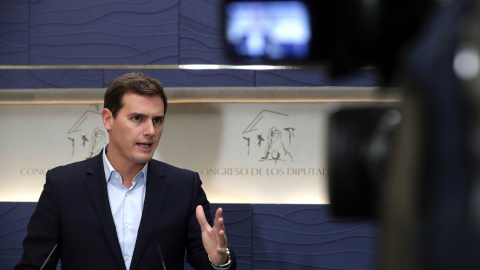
(343, 36)
(429, 209)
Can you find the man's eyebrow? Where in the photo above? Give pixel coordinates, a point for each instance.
(136, 114)
(144, 115)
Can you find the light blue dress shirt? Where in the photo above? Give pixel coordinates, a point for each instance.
(126, 205)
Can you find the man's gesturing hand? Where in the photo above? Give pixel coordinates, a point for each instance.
(214, 239)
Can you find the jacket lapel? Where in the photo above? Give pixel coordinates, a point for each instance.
(157, 189)
(97, 190)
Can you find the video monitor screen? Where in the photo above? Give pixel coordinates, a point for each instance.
(268, 30)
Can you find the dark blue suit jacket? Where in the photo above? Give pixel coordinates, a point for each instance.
(74, 212)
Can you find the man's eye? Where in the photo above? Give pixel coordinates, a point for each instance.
(136, 118)
(157, 120)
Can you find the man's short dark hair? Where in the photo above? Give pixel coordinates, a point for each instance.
(137, 83)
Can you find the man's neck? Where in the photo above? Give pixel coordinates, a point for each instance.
(127, 170)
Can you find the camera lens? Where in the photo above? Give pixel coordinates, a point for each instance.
(359, 145)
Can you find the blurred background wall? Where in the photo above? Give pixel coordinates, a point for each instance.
(54, 46)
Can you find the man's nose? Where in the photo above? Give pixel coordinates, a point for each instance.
(149, 128)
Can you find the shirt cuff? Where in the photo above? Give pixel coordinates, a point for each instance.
(219, 268)
(225, 266)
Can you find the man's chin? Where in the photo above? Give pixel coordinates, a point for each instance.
(143, 159)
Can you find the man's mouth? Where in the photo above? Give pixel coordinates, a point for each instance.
(144, 145)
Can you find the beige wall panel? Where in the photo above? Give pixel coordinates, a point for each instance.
(255, 152)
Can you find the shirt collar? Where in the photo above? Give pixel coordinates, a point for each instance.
(108, 168)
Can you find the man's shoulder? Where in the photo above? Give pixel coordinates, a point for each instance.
(168, 168)
(81, 165)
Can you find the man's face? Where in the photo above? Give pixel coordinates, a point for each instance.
(135, 132)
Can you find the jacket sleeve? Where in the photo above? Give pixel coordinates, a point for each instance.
(196, 254)
(43, 231)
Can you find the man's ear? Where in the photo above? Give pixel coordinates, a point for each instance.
(107, 117)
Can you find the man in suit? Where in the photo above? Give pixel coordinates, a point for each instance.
(121, 209)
